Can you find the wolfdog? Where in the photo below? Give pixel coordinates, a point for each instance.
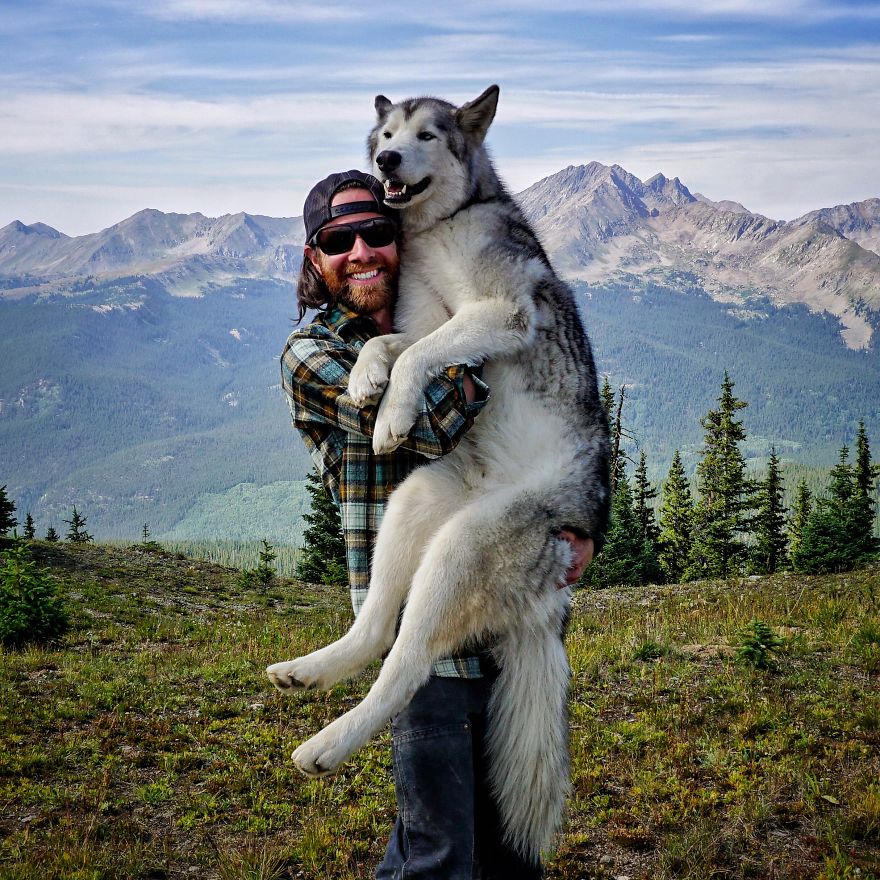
(471, 542)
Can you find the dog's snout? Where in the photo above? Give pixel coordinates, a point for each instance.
(388, 160)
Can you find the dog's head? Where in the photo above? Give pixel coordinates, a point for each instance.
(424, 150)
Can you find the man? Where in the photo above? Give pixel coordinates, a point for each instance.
(447, 825)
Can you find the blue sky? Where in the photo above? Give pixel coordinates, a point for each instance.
(107, 107)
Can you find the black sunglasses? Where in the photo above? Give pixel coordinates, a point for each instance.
(376, 232)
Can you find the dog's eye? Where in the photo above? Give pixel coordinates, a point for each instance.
(386, 134)
(426, 136)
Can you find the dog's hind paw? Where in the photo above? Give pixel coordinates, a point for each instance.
(393, 424)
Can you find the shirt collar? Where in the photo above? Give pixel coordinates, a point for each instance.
(343, 321)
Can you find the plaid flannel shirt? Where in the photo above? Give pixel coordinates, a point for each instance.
(315, 366)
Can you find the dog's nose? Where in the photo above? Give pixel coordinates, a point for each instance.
(388, 160)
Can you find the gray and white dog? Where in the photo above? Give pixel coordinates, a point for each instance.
(471, 543)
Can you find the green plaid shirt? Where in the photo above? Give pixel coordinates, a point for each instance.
(315, 366)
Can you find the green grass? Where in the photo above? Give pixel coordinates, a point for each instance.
(148, 744)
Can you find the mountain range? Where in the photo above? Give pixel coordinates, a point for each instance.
(603, 224)
(139, 364)
(185, 253)
(599, 223)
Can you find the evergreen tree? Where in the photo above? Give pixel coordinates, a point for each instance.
(30, 531)
(643, 494)
(676, 522)
(29, 608)
(720, 515)
(51, 534)
(864, 502)
(322, 560)
(147, 543)
(769, 551)
(831, 539)
(265, 571)
(824, 544)
(613, 407)
(77, 533)
(607, 397)
(803, 506)
(7, 513)
(627, 557)
(841, 488)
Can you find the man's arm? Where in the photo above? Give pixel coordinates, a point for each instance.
(314, 374)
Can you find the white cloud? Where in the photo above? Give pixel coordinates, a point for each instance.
(455, 14)
(235, 134)
(253, 10)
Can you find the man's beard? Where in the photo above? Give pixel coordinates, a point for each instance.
(361, 298)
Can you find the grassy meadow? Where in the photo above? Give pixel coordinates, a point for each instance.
(148, 743)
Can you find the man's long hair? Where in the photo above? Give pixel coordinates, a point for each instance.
(311, 290)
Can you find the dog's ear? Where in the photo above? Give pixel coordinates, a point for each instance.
(476, 116)
(383, 106)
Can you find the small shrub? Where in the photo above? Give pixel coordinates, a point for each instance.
(863, 818)
(866, 646)
(649, 651)
(29, 608)
(758, 644)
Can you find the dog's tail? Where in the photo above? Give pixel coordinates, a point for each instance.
(528, 735)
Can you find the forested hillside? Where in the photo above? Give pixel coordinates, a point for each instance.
(143, 407)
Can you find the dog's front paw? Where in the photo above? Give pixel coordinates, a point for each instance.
(294, 675)
(367, 380)
(324, 752)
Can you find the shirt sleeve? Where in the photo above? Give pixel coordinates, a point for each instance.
(314, 375)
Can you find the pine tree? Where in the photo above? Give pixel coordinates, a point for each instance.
(147, 544)
(265, 571)
(77, 533)
(676, 522)
(643, 494)
(725, 495)
(617, 463)
(769, 551)
(831, 540)
(800, 514)
(29, 607)
(7, 511)
(322, 559)
(824, 544)
(30, 531)
(864, 503)
(627, 558)
(607, 397)
(51, 534)
(841, 488)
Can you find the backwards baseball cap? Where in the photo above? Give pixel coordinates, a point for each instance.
(317, 210)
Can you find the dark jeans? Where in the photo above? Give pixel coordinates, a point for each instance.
(447, 827)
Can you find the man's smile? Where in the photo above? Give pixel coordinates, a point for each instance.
(366, 276)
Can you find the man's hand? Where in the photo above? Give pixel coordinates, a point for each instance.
(470, 390)
(582, 550)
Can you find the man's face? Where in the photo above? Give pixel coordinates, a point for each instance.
(364, 279)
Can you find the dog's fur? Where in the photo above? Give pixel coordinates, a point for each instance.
(471, 543)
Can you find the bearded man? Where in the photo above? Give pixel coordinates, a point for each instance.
(447, 826)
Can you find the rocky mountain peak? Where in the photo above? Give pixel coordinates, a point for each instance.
(16, 227)
(663, 192)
